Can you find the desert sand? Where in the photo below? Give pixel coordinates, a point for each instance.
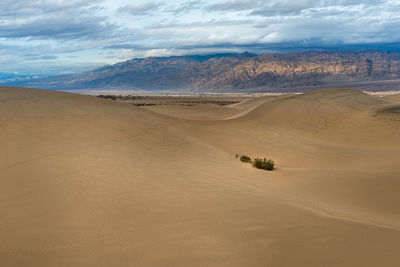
(393, 97)
(87, 182)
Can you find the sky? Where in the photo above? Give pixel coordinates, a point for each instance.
(51, 37)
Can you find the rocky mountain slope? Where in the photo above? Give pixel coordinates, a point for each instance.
(234, 72)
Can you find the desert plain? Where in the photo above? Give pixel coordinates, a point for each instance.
(87, 181)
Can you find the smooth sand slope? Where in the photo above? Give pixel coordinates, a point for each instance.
(92, 182)
(394, 97)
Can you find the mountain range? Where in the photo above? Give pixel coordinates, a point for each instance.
(232, 72)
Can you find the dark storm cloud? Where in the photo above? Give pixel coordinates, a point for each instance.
(236, 5)
(52, 20)
(283, 7)
(59, 28)
(204, 24)
(144, 9)
(288, 7)
(13, 8)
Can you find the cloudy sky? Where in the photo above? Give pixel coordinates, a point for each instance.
(47, 37)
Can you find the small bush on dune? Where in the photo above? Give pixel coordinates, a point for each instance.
(259, 163)
(265, 164)
(245, 158)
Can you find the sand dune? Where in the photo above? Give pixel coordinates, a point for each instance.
(90, 182)
(394, 97)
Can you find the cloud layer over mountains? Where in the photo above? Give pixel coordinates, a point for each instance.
(53, 37)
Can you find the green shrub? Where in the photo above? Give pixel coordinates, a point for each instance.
(263, 164)
(245, 158)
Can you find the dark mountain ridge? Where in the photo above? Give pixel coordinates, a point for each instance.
(233, 72)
